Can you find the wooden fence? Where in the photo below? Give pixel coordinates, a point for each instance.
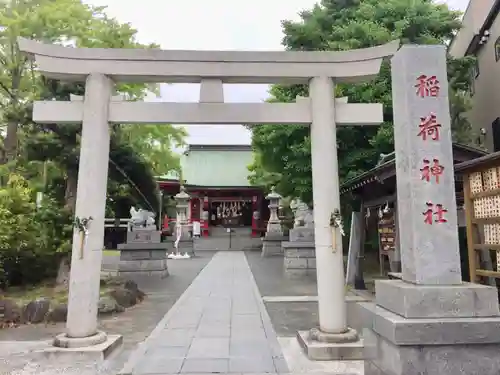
(481, 184)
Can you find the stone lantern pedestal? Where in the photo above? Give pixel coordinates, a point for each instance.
(271, 243)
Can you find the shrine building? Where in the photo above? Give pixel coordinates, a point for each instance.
(216, 178)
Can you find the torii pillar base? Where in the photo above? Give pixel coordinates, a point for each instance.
(92, 349)
(321, 346)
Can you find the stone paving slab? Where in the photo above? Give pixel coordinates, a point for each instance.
(299, 363)
(219, 325)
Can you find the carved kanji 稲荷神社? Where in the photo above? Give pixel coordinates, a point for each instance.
(427, 86)
(431, 170)
(429, 127)
(436, 210)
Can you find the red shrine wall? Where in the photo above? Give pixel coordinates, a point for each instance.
(224, 207)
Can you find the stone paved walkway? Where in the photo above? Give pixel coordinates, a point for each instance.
(219, 325)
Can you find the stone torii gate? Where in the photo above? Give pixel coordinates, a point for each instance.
(101, 68)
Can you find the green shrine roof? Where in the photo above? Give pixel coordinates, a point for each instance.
(215, 166)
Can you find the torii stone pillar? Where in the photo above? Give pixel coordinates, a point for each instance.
(86, 258)
(213, 68)
(328, 240)
(328, 341)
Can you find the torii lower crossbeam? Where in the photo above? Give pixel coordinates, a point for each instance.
(346, 114)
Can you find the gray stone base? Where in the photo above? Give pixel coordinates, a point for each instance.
(64, 341)
(315, 334)
(143, 236)
(142, 265)
(445, 330)
(157, 274)
(391, 359)
(324, 351)
(428, 301)
(72, 354)
(271, 246)
(143, 254)
(299, 258)
(140, 261)
(143, 246)
(431, 331)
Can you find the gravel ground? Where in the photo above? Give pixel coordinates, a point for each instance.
(272, 281)
(134, 324)
(289, 317)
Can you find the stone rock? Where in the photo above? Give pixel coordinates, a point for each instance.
(58, 313)
(124, 297)
(12, 313)
(133, 287)
(36, 311)
(108, 305)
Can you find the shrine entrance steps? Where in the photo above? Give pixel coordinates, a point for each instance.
(239, 239)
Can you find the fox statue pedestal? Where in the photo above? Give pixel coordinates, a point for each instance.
(143, 254)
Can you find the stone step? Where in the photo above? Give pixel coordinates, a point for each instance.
(223, 243)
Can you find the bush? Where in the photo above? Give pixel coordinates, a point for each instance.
(32, 241)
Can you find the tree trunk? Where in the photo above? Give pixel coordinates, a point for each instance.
(62, 280)
(10, 143)
(70, 194)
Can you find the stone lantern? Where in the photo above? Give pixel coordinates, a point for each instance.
(181, 205)
(185, 242)
(271, 243)
(274, 223)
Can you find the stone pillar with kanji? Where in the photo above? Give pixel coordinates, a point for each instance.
(427, 211)
(430, 322)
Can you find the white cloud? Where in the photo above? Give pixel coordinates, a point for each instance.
(214, 24)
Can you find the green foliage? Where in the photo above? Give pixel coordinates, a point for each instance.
(47, 155)
(32, 240)
(72, 22)
(154, 143)
(130, 168)
(283, 152)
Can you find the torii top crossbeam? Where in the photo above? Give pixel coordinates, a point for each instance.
(154, 65)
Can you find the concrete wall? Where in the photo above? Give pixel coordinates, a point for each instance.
(485, 98)
(473, 19)
(217, 168)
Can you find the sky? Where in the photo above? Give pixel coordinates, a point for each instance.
(213, 25)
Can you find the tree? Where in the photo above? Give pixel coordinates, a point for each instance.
(72, 22)
(154, 143)
(32, 240)
(44, 20)
(45, 157)
(351, 24)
